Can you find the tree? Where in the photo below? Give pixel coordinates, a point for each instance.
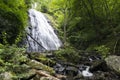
(13, 19)
(62, 11)
(94, 23)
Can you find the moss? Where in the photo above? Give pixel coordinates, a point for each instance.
(41, 57)
(38, 65)
(2, 69)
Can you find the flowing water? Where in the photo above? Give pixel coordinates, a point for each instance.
(40, 34)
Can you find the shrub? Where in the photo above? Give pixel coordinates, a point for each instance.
(13, 19)
(103, 50)
(12, 59)
(68, 54)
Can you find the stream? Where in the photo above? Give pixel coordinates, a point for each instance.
(94, 68)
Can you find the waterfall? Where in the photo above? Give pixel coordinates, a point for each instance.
(41, 35)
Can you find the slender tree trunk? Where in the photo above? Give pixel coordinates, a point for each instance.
(64, 33)
(92, 9)
(116, 42)
(65, 22)
(86, 7)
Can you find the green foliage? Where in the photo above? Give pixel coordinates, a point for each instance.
(41, 57)
(11, 59)
(13, 19)
(28, 3)
(12, 53)
(93, 23)
(69, 54)
(103, 50)
(86, 23)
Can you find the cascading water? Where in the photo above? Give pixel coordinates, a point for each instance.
(40, 34)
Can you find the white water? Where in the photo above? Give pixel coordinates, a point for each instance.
(86, 72)
(41, 35)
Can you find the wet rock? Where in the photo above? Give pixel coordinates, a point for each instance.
(6, 76)
(79, 76)
(113, 62)
(66, 69)
(94, 58)
(70, 70)
(59, 68)
(99, 65)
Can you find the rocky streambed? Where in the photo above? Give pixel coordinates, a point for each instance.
(93, 68)
(47, 67)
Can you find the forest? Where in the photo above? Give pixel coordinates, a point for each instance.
(89, 31)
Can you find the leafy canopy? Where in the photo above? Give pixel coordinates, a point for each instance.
(13, 19)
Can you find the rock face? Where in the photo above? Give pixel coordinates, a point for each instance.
(113, 62)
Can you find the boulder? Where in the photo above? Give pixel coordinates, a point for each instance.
(6, 76)
(46, 59)
(98, 65)
(72, 71)
(39, 66)
(113, 62)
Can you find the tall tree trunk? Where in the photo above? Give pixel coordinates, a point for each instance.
(65, 22)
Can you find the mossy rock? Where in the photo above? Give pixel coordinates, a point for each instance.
(26, 75)
(38, 65)
(113, 62)
(6, 76)
(41, 57)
